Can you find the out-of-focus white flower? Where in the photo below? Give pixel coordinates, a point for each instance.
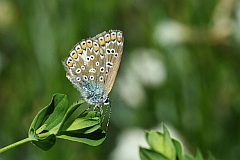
(148, 67)
(145, 69)
(130, 89)
(171, 33)
(128, 144)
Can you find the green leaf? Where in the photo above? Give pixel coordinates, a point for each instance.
(178, 148)
(54, 121)
(86, 120)
(92, 129)
(50, 116)
(86, 123)
(188, 157)
(146, 154)
(46, 122)
(199, 155)
(45, 143)
(69, 112)
(210, 156)
(85, 129)
(161, 143)
(94, 139)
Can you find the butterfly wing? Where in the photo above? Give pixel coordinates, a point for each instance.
(111, 47)
(93, 63)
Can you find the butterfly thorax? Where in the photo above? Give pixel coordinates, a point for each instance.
(93, 94)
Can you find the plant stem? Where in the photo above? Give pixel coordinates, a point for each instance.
(15, 144)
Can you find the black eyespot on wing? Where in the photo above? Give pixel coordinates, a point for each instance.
(108, 51)
(109, 64)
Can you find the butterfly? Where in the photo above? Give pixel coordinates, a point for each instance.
(92, 66)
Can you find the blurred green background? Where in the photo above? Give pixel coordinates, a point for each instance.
(181, 65)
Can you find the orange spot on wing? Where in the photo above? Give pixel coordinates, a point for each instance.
(70, 64)
(96, 48)
(75, 56)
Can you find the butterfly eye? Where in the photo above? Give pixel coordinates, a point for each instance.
(107, 101)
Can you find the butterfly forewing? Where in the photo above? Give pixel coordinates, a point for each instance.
(113, 58)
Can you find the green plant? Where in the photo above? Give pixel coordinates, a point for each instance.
(56, 121)
(163, 147)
